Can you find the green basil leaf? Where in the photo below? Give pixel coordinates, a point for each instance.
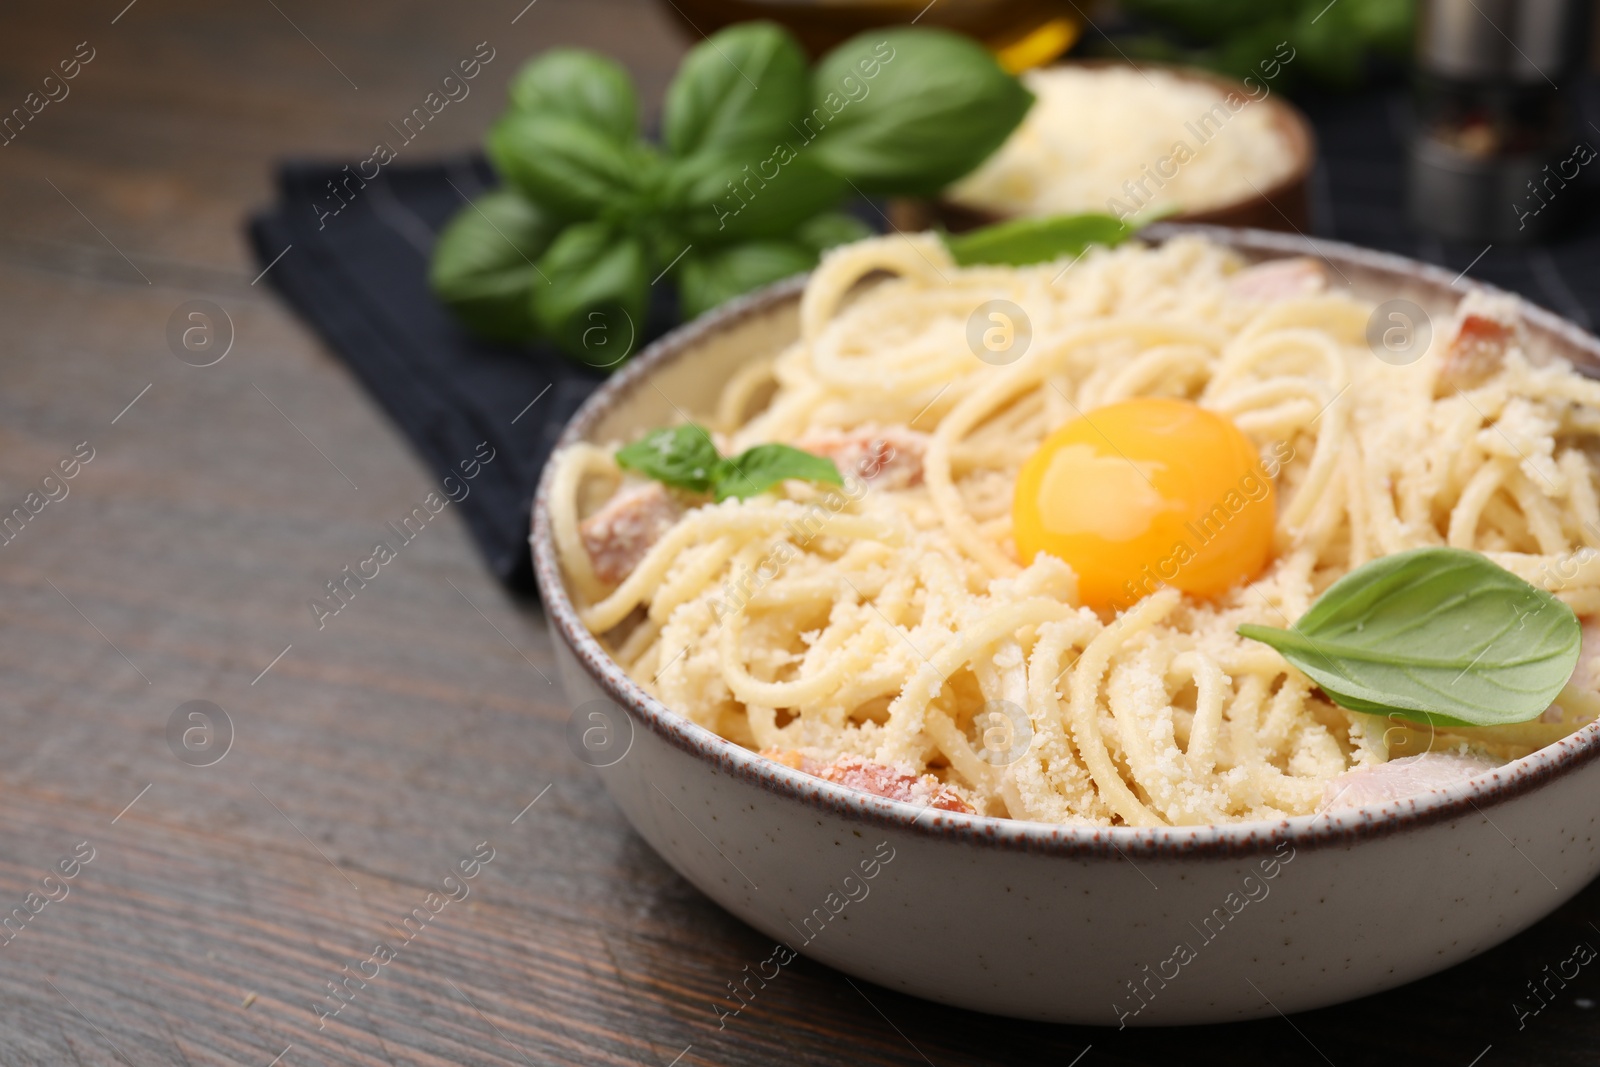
(483, 264)
(1387, 27)
(681, 456)
(562, 164)
(726, 196)
(1329, 49)
(1038, 240)
(831, 228)
(591, 299)
(906, 111)
(581, 85)
(685, 457)
(723, 274)
(758, 469)
(740, 88)
(1437, 635)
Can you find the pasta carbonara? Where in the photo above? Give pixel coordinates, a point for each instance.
(887, 634)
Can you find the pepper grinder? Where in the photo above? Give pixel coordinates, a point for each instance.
(1496, 151)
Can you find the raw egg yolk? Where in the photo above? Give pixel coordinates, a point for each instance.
(1144, 493)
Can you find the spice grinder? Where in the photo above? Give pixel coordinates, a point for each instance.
(1497, 152)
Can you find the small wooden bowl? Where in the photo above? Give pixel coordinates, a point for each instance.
(1282, 205)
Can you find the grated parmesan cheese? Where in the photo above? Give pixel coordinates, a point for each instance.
(1121, 140)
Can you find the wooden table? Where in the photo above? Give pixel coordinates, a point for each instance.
(370, 757)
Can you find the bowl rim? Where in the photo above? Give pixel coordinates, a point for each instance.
(1329, 828)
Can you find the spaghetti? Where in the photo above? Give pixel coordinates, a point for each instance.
(889, 629)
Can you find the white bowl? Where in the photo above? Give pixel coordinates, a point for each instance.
(1113, 926)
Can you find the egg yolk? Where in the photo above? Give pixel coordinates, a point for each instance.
(1144, 493)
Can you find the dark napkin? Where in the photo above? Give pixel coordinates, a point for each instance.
(359, 277)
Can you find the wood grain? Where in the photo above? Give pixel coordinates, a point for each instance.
(379, 751)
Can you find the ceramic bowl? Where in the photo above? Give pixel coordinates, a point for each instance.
(1113, 926)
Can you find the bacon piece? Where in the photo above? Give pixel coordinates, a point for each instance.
(619, 534)
(883, 458)
(1486, 327)
(1280, 279)
(869, 776)
(1402, 778)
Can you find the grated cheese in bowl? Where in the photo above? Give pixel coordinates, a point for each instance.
(1120, 140)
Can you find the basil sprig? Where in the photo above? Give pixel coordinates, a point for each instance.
(1437, 635)
(757, 153)
(686, 458)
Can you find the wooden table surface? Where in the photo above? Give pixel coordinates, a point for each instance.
(367, 759)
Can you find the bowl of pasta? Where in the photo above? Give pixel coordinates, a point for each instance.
(1110, 641)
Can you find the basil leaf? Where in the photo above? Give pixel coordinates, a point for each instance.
(722, 197)
(593, 303)
(1331, 50)
(906, 111)
(562, 164)
(1437, 635)
(723, 274)
(579, 84)
(1388, 28)
(685, 457)
(681, 456)
(1040, 240)
(831, 228)
(483, 264)
(758, 469)
(740, 88)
